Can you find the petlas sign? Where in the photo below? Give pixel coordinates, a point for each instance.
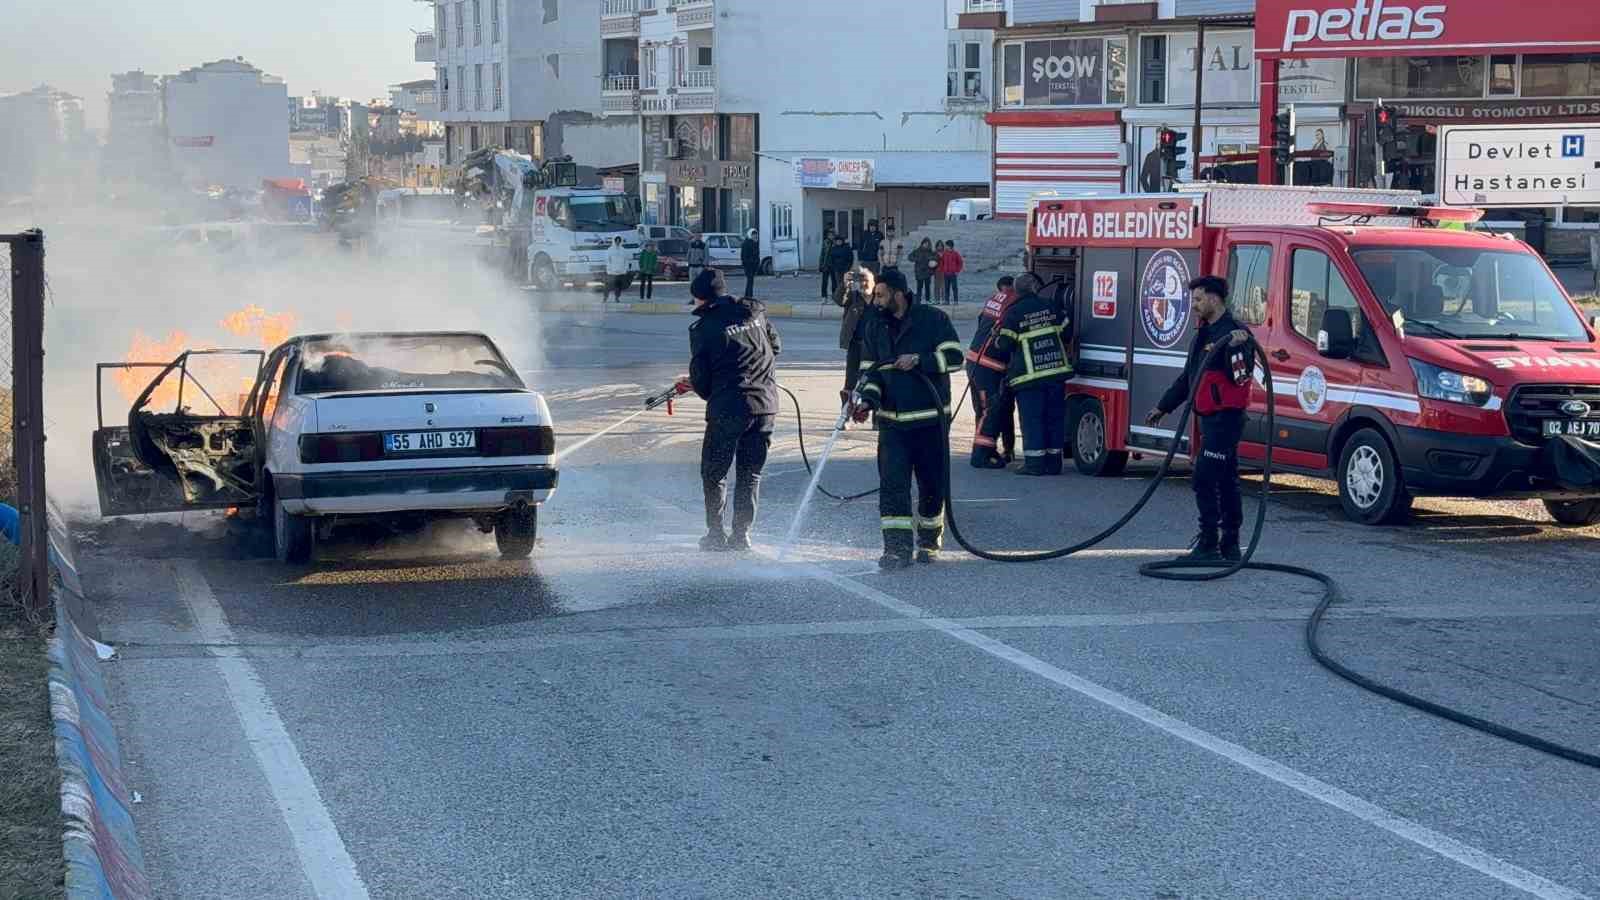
(1323, 28)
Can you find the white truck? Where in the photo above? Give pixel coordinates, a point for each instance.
(571, 230)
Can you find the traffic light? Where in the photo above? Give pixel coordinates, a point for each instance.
(1389, 130)
(1172, 152)
(1283, 129)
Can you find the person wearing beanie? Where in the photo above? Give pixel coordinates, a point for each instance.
(733, 350)
(904, 343)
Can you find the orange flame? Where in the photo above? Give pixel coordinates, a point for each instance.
(132, 382)
(269, 329)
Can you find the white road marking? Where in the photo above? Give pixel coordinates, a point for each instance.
(1444, 845)
(323, 857)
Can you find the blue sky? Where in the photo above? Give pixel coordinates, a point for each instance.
(352, 48)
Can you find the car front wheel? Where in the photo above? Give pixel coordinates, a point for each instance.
(1370, 487)
(1577, 513)
(293, 536)
(1087, 436)
(516, 531)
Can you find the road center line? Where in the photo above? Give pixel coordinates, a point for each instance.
(323, 857)
(1444, 845)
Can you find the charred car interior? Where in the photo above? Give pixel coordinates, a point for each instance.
(202, 454)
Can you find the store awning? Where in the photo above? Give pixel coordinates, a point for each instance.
(930, 168)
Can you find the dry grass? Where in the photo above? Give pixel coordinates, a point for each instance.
(31, 864)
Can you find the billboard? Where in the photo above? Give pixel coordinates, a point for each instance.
(834, 173)
(1064, 73)
(1511, 166)
(1299, 28)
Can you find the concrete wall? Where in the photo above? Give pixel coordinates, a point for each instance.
(242, 115)
(593, 141)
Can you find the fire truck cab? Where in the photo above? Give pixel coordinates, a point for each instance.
(1407, 358)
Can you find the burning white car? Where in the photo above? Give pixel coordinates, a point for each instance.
(336, 426)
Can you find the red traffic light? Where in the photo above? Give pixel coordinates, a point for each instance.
(1168, 136)
(1383, 116)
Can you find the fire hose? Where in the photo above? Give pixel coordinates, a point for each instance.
(1198, 570)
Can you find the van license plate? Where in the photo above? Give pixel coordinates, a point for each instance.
(1575, 427)
(428, 441)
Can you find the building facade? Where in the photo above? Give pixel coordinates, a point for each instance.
(740, 131)
(523, 75)
(225, 125)
(43, 140)
(134, 148)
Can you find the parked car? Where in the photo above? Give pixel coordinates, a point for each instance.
(968, 208)
(664, 232)
(337, 427)
(722, 250)
(674, 254)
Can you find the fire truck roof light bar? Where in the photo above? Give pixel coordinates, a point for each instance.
(1433, 213)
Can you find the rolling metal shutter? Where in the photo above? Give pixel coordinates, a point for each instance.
(1071, 161)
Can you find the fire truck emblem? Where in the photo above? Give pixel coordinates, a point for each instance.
(1164, 298)
(1311, 390)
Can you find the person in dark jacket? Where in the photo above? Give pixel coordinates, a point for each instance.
(1220, 403)
(1033, 340)
(903, 342)
(858, 307)
(994, 438)
(733, 351)
(840, 259)
(924, 264)
(871, 241)
(824, 269)
(750, 259)
(697, 257)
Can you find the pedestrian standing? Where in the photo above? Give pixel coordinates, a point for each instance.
(889, 254)
(903, 344)
(1220, 402)
(951, 269)
(618, 265)
(938, 272)
(823, 268)
(649, 262)
(697, 257)
(871, 243)
(840, 259)
(733, 351)
(750, 259)
(923, 265)
(1033, 340)
(994, 439)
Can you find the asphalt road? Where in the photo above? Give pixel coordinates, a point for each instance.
(625, 716)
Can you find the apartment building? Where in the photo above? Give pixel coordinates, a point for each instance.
(525, 75)
(743, 127)
(226, 124)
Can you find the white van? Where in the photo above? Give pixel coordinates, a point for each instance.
(968, 208)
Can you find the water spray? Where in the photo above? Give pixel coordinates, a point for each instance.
(816, 473)
(652, 402)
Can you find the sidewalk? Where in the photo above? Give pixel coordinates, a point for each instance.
(786, 297)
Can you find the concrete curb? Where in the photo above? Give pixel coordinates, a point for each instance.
(100, 845)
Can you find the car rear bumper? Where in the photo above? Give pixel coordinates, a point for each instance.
(1461, 465)
(473, 489)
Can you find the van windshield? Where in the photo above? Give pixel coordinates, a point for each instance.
(1456, 292)
(595, 213)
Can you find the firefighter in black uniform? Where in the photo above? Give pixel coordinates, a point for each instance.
(734, 348)
(992, 405)
(1220, 402)
(1033, 339)
(901, 339)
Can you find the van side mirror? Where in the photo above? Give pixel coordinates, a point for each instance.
(1594, 321)
(1337, 338)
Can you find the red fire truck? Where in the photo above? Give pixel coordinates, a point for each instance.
(1407, 358)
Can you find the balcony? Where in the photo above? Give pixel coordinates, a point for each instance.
(619, 18)
(983, 14)
(620, 104)
(620, 94)
(621, 84)
(425, 49)
(696, 14)
(699, 79)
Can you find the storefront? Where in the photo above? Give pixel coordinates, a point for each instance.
(699, 172)
(1535, 63)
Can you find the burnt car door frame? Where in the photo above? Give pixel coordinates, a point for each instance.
(120, 460)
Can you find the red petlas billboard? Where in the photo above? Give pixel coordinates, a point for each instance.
(1337, 28)
(1125, 222)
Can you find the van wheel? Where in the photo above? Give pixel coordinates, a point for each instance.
(1574, 512)
(767, 268)
(1089, 451)
(544, 274)
(1370, 486)
(516, 531)
(293, 537)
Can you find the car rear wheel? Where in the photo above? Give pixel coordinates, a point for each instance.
(293, 537)
(767, 268)
(1370, 486)
(516, 532)
(1088, 442)
(1577, 513)
(544, 274)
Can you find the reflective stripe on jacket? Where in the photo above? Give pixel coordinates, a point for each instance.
(1033, 339)
(900, 398)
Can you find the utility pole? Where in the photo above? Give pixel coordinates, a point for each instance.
(1199, 80)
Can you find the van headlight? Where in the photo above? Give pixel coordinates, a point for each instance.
(1442, 384)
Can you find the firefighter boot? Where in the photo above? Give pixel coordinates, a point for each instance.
(987, 459)
(714, 541)
(1034, 465)
(1203, 548)
(1052, 463)
(1230, 545)
(888, 562)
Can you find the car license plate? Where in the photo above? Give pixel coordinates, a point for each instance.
(428, 441)
(1575, 427)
